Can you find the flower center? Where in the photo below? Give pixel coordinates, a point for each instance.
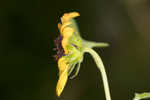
(59, 49)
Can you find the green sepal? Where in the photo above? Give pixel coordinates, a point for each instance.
(77, 71)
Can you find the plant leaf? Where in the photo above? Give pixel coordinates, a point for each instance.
(140, 96)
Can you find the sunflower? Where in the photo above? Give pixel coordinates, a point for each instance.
(70, 49)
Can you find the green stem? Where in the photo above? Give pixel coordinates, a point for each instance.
(91, 44)
(100, 66)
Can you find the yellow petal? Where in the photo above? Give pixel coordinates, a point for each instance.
(68, 32)
(68, 16)
(64, 44)
(62, 65)
(61, 83)
(64, 25)
(63, 75)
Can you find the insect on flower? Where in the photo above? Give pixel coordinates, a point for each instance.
(70, 49)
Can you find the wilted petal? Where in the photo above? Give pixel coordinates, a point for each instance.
(62, 65)
(68, 16)
(63, 75)
(61, 83)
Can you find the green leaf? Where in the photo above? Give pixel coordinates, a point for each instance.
(140, 96)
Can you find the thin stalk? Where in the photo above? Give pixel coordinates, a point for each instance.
(100, 66)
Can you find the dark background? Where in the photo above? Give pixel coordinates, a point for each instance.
(28, 28)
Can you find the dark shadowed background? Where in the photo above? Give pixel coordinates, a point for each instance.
(28, 28)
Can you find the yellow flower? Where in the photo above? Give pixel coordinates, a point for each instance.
(70, 49)
(63, 63)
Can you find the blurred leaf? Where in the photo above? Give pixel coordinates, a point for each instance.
(141, 96)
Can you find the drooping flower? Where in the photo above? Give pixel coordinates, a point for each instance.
(70, 49)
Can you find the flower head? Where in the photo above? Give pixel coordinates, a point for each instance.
(70, 49)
